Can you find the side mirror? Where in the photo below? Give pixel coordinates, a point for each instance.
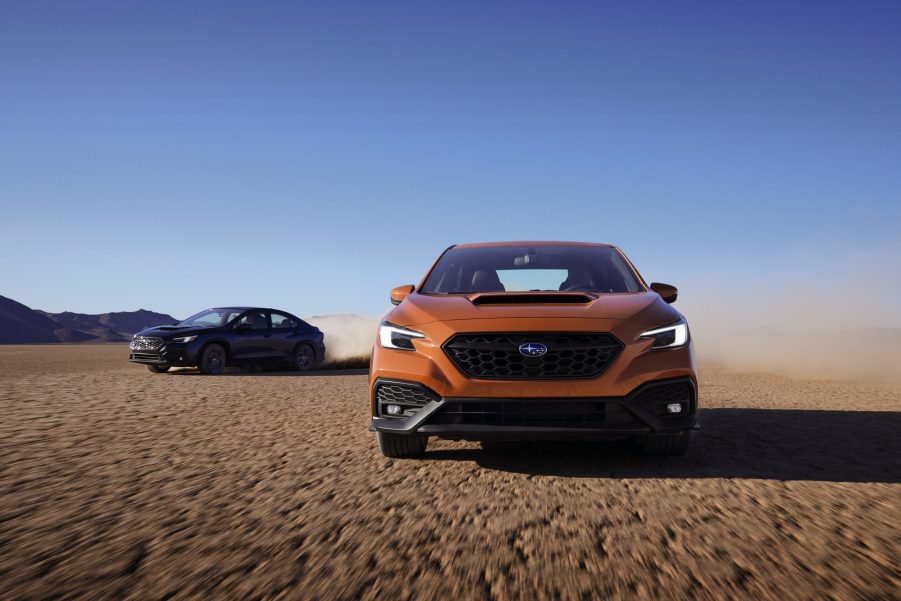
(400, 293)
(667, 293)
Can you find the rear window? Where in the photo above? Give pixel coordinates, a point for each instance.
(536, 268)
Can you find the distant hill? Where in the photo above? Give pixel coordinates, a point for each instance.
(111, 327)
(20, 324)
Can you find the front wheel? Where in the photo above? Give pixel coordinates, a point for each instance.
(158, 369)
(212, 362)
(666, 444)
(303, 358)
(401, 447)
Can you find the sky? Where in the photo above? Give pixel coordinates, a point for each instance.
(311, 156)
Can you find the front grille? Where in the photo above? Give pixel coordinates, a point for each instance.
(146, 343)
(409, 397)
(497, 356)
(555, 413)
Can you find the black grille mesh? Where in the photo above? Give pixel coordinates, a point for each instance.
(147, 356)
(525, 413)
(497, 356)
(410, 398)
(664, 393)
(146, 343)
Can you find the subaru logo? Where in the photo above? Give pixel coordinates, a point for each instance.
(532, 349)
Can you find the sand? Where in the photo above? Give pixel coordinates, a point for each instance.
(116, 483)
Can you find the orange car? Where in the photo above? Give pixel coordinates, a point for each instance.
(533, 340)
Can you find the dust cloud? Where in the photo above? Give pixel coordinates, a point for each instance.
(347, 336)
(840, 323)
(867, 353)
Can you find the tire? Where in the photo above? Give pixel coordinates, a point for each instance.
(666, 444)
(303, 358)
(401, 447)
(213, 359)
(159, 369)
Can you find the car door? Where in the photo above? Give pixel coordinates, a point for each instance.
(250, 342)
(284, 333)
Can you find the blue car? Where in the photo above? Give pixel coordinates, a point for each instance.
(230, 336)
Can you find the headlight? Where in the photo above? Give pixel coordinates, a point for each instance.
(396, 337)
(671, 336)
(184, 339)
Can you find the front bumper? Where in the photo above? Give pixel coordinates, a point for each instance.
(641, 411)
(170, 353)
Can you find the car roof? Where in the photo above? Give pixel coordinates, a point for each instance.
(245, 309)
(530, 243)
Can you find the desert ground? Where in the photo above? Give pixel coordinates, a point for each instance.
(116, 483)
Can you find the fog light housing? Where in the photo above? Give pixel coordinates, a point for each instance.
(674, 408)
(394, 409)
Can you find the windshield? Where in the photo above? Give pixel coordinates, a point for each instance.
(531, 268)
(210, 318)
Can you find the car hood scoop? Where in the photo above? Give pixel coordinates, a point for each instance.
(532, 298)
(163, 330)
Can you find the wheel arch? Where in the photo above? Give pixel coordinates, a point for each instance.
(221, 342)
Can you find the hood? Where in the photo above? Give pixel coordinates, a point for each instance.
(642, 307)
(167, 331)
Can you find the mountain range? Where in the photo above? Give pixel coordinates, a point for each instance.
(20, 324)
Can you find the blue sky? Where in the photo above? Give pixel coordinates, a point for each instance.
(311, 156)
